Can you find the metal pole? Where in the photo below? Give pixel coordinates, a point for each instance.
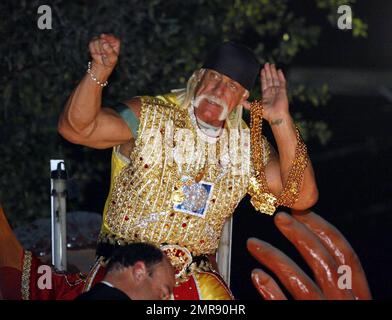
(224, 251)
(58, 212)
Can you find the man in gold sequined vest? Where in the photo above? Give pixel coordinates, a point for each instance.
(182, 161)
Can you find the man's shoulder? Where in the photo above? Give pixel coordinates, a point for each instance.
(167, 100)
(102, 291)
(171, 99)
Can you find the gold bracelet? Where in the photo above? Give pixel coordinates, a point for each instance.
(261, 197)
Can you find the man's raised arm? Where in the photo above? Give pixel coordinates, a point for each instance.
(84, 120)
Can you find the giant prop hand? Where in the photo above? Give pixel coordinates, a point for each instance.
(324, 249)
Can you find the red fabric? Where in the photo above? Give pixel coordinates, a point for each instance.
(67, 286)
(187, 290)
(64, 286)
(10, 282)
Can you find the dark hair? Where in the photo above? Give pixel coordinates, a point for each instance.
(127, 255)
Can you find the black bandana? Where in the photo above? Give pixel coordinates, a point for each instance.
(235, 61)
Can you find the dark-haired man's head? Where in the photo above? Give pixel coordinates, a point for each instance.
(142, 271)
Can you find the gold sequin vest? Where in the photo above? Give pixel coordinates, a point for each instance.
(140, 206)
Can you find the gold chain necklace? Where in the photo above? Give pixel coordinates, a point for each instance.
(186, 181)
(178, 195)
(261, 197)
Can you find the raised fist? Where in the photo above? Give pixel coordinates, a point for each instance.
(104, 50)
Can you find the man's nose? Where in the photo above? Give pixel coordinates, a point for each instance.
(220, 89)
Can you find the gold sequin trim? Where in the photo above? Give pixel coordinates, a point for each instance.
(26, 275)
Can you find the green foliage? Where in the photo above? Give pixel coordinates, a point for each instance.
(162, 43)
(359, 28)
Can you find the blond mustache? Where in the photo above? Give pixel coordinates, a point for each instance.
(216, 100)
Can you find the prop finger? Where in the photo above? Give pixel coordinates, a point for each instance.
(338, 246)
(292, 277)
(323, 265)
(266, 286)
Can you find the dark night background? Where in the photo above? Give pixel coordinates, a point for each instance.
(352, 170)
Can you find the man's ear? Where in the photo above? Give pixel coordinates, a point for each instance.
(246, 104)
(139, 271)
(244, 101)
